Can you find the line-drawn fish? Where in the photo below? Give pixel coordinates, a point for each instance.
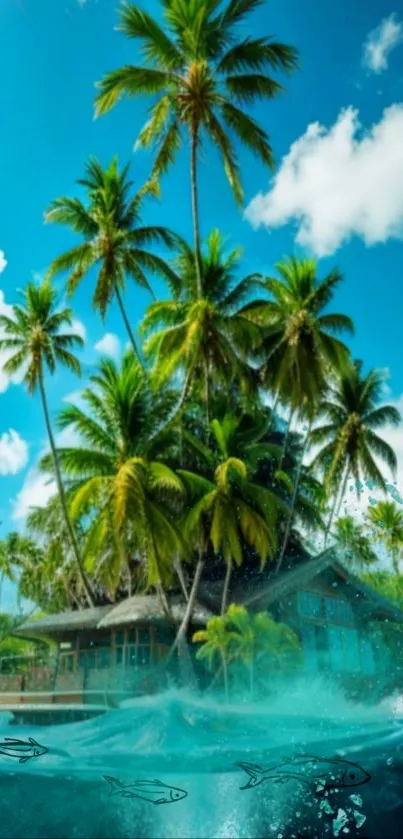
(154, 791)
(322, 773)
(22, 749)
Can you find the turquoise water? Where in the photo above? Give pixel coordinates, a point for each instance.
(194, 744)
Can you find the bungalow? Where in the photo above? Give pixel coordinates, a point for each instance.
(342, 623)
(121, 648)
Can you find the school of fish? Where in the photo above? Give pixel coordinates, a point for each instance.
(322, 774)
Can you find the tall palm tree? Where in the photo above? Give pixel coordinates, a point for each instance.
(115, 241)
(254, 635)
(34, 334)
(215, 642)
(388, 530)
(116, 473)
(204, 338)
(203, 73)
(354, 543)
(349, 439)
(229, 505)
(300, 348)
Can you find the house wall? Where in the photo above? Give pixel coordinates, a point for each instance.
(334, 637)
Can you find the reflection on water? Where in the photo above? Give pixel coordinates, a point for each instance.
(194, 745)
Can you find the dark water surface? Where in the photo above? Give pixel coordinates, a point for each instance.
(193, 745)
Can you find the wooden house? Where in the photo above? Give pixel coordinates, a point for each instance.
(119, 650)
(342, 624)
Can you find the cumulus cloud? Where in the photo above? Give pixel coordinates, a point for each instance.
(380, 43)
(13, 453)
(3, 262)
(109, 345)
(38, 488)
(36, 491)
(339, 182)
(78, 327)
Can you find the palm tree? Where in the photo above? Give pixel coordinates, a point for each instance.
(300, 348)
(115, 241)
(34, 334)
(388, 521)
(116, 474)
(215, 639)
(204, 338)
(354, 543)
(202, 74)
(349, 438)
(254, 635)
(229, 505)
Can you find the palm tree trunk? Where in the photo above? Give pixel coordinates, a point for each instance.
(286, 436)
(273, 412)
(182, 631)
(225, 675)
(293, 499)
(179, 573)
(70, 529)
(252, 679)
(207, 398)
(179, 405)
(226, 588)
(195, 207)
(128, 328)
(334, 513)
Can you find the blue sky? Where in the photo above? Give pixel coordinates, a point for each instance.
(338, 192)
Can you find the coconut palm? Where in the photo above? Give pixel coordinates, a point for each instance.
(202, 73)
(388, 530)
(254, 635)
(215, 640)
(299, 348)
(207, 338)
(233, 509)
(354, 544)
(115, 241)
(116, 476)
(349, 440)
(33, 333)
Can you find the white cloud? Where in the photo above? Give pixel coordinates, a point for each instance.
(380, 43)
(109, 345)
(335, 184)
(3, 262)
(13, 453)
(35, 492)
(78, 327)
(38, 488)
(74, 398)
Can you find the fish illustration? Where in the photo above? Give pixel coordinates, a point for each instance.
(22, 749)
(154, 791)
(322, 773)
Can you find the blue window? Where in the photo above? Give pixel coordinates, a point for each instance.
(351, 651)
(367, 656)
(336, 653)
(309, 647)
(309, 604)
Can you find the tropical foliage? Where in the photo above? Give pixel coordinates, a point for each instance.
(239, 636)
(227, 436)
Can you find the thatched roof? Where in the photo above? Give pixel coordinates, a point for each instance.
(64, 622)
(140, 608)
(148, 608)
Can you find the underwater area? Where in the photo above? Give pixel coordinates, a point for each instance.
(193, 746)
